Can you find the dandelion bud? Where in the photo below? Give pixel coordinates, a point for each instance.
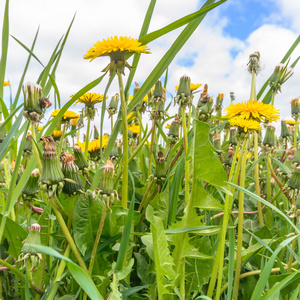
(70, 171)
(31, 188)
(295, 108)
(108, 179)
(205, 109)
(173, 134)
(157, 96)
(2, 176)
(160, 170)
(217, 141)
(27, 149)
(96, 133)
(28, 254)
(113, 105)
(136, 89)
(114, 154)
(184, 96)
(52, 175)
(232, 97)
(34, 102)
(2, 132)
(218, 106)
(232, 137)
(284, 130)
(80, 159)
(228, 159)
(254, 64)
(280, 75)
(296, 157)
(269, 141)
(294, 182)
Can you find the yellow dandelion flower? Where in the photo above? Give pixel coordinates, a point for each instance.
(57, 134)
(145, 99)
(90, 99)
(193, 86)
(94, 145)
(116, 44)
(68, 115)
(245, 124)
(168, 126)
(252, 110)
(6, 83)
(74, 122)
(134, 128)
(290, 122)
(130, 117)
(248, 155)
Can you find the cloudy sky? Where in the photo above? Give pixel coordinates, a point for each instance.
(217, 53)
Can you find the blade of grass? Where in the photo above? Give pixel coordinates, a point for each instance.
(267, 204)
(156, 74)
(84, 281)
(260, 285)
(7, 121)
(287, 55)
(137, 56)
(127, 230)
(5, 32)
(178, 23)
(51, 78)
(85, 89)
(57, 59)
(25, 71)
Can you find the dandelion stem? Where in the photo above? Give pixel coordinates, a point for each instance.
(256, 179)
(67, 235)
(87, 137)
(240, 224)
(94, 251)
(125, 142)
(35, 150)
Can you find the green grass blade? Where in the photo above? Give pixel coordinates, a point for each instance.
(5, 32)
(231, 259)
(57, 59)
(28, 50)
(7, 121)
(85, 89)
(267, 204)
(165, 138)
(25, 71)
(180, 22)
(282, 166)
(55, 90)
(287, 55)
(137, 56)
(156, 74)
(84, 281)
(260, 286)
(4, 108)
(127, 230)
(10, 135)
(44, 75)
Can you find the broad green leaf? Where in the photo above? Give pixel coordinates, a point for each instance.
(79, 275)
(15, 234)
(164, 265)
(207, 165)
(86, 213)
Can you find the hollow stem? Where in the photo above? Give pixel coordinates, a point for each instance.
(67, 235)
(125, 142)
(240, 225)
(94, 251)
(61, 140)
(87, 136)
(35, 150)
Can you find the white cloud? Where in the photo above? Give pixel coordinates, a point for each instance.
(221, 60)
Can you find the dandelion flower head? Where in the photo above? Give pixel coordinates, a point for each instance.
(252, 110)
